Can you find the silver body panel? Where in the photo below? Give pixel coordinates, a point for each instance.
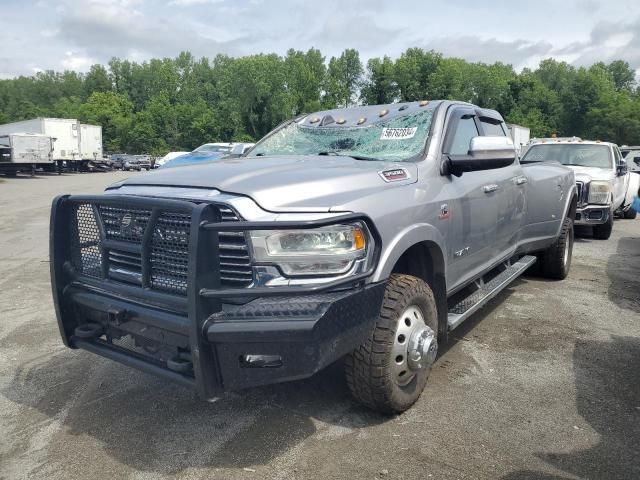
(522, 214)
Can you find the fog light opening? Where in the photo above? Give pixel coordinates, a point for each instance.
(260, 361)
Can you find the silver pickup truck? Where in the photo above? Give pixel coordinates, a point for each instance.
(363, 235)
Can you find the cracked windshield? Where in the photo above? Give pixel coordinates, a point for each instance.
(397, 139)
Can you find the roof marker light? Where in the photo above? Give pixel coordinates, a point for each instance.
(314, 120)
(362, 120)
(340, 121)
(383, 112)
(423, 103)
(403, 107)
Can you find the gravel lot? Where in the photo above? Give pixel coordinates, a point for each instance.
(544, 383)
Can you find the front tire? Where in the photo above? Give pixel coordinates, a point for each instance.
(555, 261)
(389, 371)
(603, 232)
(630, 214)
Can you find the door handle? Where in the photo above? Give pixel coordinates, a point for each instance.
(521, 180)
(490, 188)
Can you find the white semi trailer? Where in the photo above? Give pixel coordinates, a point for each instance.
(520, 136)
(65, 131)
(25, 152)
(90, 142)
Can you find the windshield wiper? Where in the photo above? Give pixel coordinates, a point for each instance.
(355, 157)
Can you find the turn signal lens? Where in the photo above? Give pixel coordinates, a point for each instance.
(359, 239)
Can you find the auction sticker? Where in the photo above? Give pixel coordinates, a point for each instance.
(398, 133)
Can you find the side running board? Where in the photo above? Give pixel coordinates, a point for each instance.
(466, 307)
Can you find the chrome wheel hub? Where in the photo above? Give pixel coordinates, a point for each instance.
(415, 346)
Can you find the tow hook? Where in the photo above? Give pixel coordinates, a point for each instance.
(180, 364)
(88, 330)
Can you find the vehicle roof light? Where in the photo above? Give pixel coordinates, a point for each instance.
(314, 120)
(362, 120)
(340, 121)
(383, 112)
(403, 107)
(424, 103)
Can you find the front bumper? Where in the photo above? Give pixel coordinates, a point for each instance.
(592, 215)
(267, 340)
(212, 338)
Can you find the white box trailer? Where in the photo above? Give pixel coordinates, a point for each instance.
(20, 152)
(64, 131)
(520, 136)
(90, 142)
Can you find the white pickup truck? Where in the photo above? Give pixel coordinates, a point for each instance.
(604, 184)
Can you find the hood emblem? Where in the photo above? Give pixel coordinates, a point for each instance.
(394, 175)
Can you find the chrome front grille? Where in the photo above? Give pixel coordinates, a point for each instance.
(581, 192)
(235, 261)
(108, 242)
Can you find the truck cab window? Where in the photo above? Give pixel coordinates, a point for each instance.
(465, 130)
(492, 129)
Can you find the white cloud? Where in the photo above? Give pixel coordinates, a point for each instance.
(517, 52)
(190, 3)
(96, 30)
(73, 61)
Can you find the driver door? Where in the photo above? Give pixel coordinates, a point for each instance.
(473, 204)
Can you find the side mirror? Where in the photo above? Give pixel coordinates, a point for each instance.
(237, 149)
(485, 153)
(622, 169)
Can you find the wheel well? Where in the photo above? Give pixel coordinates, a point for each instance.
(572, 207)
(425, 260)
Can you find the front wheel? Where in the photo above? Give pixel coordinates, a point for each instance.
(389, 371)
(630, 214)
(555, 261)
(603, 232)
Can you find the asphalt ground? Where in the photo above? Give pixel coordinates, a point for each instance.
(543, 383)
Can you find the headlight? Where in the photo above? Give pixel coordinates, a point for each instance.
(599, 193)
(331, 250)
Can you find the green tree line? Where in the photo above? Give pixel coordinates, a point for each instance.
(180, 103)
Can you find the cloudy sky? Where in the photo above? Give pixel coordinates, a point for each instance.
(73, 34)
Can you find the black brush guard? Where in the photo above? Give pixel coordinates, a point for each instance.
(307, 326)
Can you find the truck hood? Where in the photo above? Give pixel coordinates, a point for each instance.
(286, 183)
(587, 174)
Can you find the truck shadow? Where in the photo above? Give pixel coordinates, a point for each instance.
(153, 426)
(607, 375)
(623, 270)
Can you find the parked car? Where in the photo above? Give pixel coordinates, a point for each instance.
(131, 162)
(364, 234)
(603, 181)
(240, 149)
(169, 156)
(204, 153)
(143, 162)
